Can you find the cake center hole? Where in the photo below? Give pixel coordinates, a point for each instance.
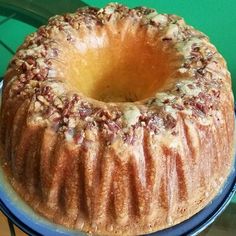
(121, 70)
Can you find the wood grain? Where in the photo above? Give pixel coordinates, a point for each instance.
(4, 229)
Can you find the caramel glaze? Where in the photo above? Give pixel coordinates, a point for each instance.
(111, 168)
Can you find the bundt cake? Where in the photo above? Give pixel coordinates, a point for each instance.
(117, 121)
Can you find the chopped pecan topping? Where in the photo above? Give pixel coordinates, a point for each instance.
(169, 121)
(34, 60)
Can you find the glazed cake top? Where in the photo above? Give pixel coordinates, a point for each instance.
(60, 65)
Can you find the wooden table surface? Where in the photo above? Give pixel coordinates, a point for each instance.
(4, 229)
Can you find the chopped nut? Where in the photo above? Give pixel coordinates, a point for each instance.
(37, 106)
(43, 100)
(170, 122)
(71, 123)
(58, 103)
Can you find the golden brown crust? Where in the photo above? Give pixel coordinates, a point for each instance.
(125, 168)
